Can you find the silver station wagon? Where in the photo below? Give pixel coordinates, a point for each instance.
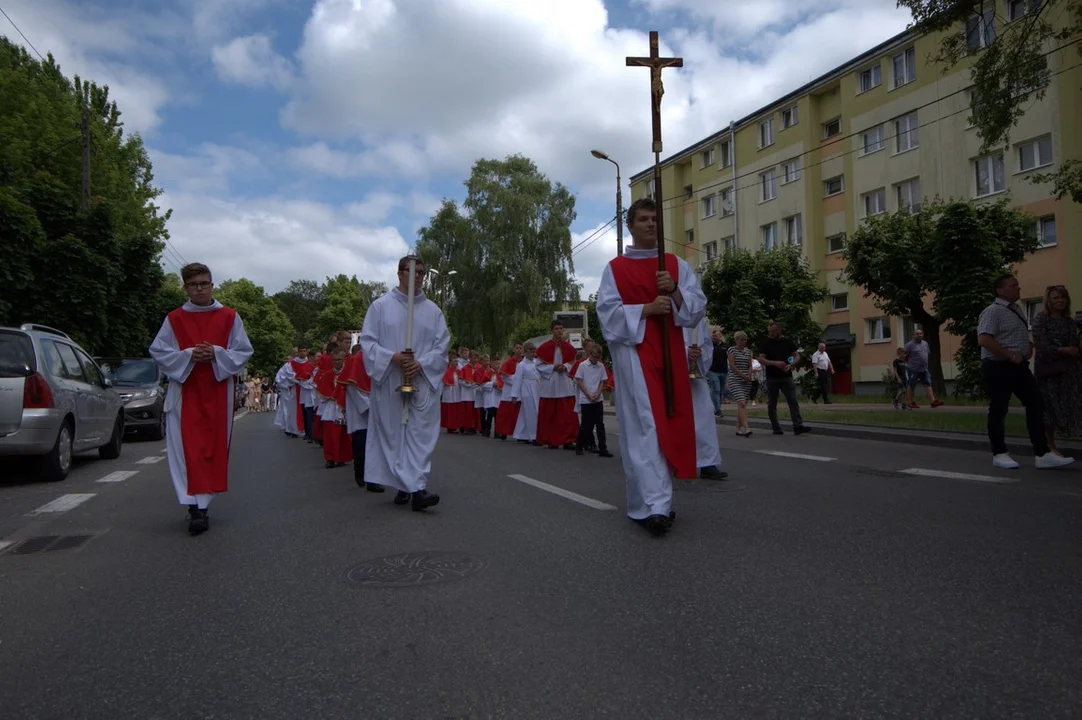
(54, 401)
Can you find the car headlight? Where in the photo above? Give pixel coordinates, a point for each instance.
(144, 394)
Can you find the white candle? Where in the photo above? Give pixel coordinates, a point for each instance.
(409, 303)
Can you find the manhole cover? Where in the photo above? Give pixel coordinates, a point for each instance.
(49, 543)
(708, 486)
(415, 569)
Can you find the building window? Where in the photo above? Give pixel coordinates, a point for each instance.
(794, 230)
(1020, 8)
(875, 202)
(1035, 153)
(981, 29)
(989, 175)
(726, 196)
(770, 236)
(789, 117)
(877, 329)
(1046, 231)
(836, 243)
(834, 185)
(872, 140)
(726, 154)
(905, 133)
(710, 206)
(905, 67)
(832, 128)
(839, 302)
(766, 133)
(769, 183)
(689, 236)
(908, 328)
(790, 170)
(908, 195)
(711, 251)
(729, 243)
(870, 78)
(706, 158)
(1034, 307)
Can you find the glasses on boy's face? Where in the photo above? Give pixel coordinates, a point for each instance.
(199, 285)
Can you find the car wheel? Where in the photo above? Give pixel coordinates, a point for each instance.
(111, 450)
(57, 464)
(158, 433)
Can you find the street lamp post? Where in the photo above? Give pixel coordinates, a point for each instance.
(619, 201)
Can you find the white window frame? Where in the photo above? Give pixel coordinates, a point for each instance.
(1026, 6)
(794, 225)
(709, 206)
(877, 326)
(908, 195)
(769, 234)
(908, 58)
(711, 249)
(791, 170)
(828, 181)
(689, 236)
(723, 195)
(906, 135)
(729, 242)
(990, 161)
(1032, 307)
(706, 158)
(766, 133)
(876, 135)
(981, 28)
(875, 78)
(830, 243)
(726, 154)
(1035, 145)
(1042, 224)
(768, 182)
(834, 302)
(879, 195)
(790, 116)
(827, 125)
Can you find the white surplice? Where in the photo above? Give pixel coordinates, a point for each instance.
(707, 447)
(177, 364)
(356, 409)
(400, 455)
(527, 389)
(285, 417)
(649, 481)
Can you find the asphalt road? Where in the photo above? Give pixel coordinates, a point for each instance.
(829, 585)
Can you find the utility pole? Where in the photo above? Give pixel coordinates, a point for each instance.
(85, 126)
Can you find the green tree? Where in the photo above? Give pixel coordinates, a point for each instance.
(1011, 71)
(946, 257)
(594, 326)
(529, 328)
(346, 301)
(301, 301)
(746, 290)
(267, 326)
(510, 247)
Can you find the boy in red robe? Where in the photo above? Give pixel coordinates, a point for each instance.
(557, 423)
(201, 347)
(507, 411)
(337, 444)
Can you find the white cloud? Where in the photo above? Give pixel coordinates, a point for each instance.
(394, 158)
(252, 60)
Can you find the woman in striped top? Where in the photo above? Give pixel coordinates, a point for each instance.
(739, 382)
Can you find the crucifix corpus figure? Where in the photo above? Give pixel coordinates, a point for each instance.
(656, 63)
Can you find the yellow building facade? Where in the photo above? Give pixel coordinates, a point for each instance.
(886, 130)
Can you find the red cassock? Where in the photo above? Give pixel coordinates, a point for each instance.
(337, 445)
(557, 421)
(507, 412)
(636, 281)
(303, 371)
(465, 415)
(206, 406)
(447, 409)
(324, 389)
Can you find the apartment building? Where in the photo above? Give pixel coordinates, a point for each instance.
(883, 131)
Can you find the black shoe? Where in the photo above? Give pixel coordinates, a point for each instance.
(604, 453)
(580, 451)
(569, 446)
(373, 487)
(422, 499)
(359, 480)
(198, 522)
(329, 464)
(779, 431)
(801, 430)
(658, 525)
(401, 498)
(712, 473)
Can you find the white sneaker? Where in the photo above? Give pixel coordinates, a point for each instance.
(1051, 460)
(1006, 462)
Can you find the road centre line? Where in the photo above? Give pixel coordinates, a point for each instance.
(925, 472)
(63, 503)
(798, 456)
(5, 544)
(150, 460)
(117, 476)
(575, 497)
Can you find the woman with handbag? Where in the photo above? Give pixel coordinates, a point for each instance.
(1058, 366)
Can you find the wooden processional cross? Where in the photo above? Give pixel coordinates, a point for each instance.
(656, 63)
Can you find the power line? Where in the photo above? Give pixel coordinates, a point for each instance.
(594, 237)
(21, 33)
(732, 180)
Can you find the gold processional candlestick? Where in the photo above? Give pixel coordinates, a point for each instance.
(407, 387)
(655, 62)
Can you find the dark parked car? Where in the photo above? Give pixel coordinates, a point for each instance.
(141, 386)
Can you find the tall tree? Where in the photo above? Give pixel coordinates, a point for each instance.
(1010, 68)
(301, 301)
(510, 246)
(746, 290)
(910, 265)
(346, 303)
(267, 326)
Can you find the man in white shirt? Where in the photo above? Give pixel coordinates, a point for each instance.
(824, 369)
(590, 378)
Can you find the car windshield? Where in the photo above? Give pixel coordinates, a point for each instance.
(16, 354)
(135, 372)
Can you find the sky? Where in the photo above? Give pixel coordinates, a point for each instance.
(296, 139)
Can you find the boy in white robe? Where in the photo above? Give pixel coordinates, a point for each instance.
(285, 416)
(526, 390)
(403, 427)
(707, 447)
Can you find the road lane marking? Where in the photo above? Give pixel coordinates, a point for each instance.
(582, 499)
(63, 503)
(925, 472)
(165, 450)
(118, 476)
(4, 544)
(150, 460)
(798, 456)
